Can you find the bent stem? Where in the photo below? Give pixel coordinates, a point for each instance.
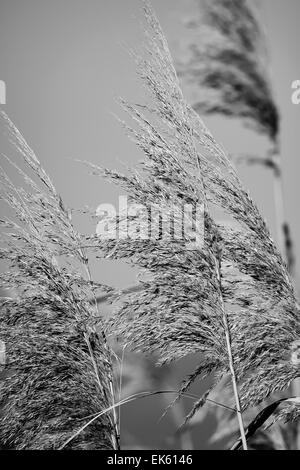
(235, 388)
(132, 398)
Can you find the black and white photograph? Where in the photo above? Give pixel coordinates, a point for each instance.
(150, 228)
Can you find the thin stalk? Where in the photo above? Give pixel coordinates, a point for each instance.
(227, 331)
(232, 370)
(130, 399)
(115, 436)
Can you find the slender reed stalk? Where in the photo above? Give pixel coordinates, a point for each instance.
(233, 378)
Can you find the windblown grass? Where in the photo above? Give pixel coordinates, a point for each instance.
(230, 300)
(59, 365)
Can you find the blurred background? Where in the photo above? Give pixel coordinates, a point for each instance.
(64, 62)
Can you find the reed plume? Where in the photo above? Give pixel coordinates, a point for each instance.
(57, 359)
(225, 65)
